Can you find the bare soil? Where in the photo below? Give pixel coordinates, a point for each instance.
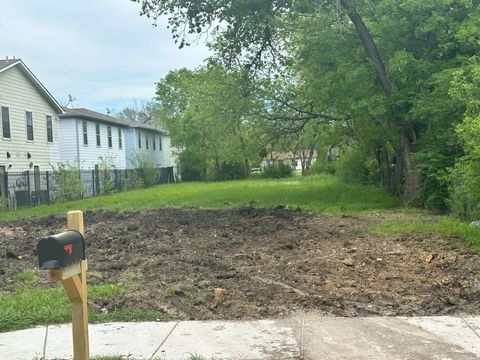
(271, 263)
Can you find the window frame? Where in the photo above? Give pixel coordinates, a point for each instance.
(120, 141)
(85, 132)
(98, 136)
(9, 137)
(49, 131)
(29, 126)
(109, 135)
(139, 140)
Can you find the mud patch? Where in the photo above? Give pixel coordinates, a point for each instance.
(271, 263)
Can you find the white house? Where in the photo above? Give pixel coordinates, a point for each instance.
(29, 131)
(88, 137)
(149, 142)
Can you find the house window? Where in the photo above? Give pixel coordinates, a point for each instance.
(109, 131)
(5, 122)
(29, 118)
(160, 143)
(139, 140)
(146, 141)
(97, 133)
(49, 129)
(120, 138)
(85, 134)
(154, 143)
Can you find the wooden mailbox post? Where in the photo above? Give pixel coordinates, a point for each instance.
(74, 279)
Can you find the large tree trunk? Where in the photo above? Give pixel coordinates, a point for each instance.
(412, 174)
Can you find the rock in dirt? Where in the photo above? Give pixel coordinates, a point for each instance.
(219, 296)
(429, 258)
(348, 262)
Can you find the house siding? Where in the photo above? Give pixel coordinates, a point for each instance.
(91, 154)
(157, 156)
(20, 95)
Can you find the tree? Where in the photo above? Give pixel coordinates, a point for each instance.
(376, 65)
(208, 114)
(145, 112)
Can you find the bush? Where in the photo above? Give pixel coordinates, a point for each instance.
(107, 180)
(67, 182)
(146, 170)
(323, 167)
(277, 170)
(352, 168)
(231, 171)
(190, 167)
(464, 177)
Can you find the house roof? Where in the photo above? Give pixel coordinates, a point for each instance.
(140, 125)
(92, 115)
(9, 63)
(96, 116)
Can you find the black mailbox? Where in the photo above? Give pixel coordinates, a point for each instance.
(61, 250)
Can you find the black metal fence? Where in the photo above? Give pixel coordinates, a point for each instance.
(33, 188)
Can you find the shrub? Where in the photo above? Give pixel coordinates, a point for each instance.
(464, 176)
(107, 179)
(323, 167)
(67, 182)
(190, 167)
(231, 171)
(146, 170)
(277, 170)
(355, 166)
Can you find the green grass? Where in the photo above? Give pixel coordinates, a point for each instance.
(315, 193)
(422, 223)
(28, 306)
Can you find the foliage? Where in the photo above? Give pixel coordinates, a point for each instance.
(231, 171)
(354, 166)
(277, 170)
(107, 179)
(3, 203)
(464, 176)
(208, 114)
(378, 72)
(67, 182)
(145, 168)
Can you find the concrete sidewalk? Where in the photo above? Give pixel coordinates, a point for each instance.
(308, 337)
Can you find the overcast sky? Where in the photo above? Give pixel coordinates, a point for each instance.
(100, 51)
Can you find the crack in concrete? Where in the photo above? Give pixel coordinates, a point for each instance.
(44, 355)
(469, 326)
(164, 340)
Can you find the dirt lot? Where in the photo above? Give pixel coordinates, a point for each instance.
(271, 263)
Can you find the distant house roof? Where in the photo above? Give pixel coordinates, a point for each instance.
(140, 125)
(93, 115)
(9, 63)
(96, 116)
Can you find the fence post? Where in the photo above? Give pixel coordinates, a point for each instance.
(28, 189)
(6, 184)
(48, 188)
(93, 182)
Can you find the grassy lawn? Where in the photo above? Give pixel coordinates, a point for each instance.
(315, 193)
(30, 306)
(421, 222)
